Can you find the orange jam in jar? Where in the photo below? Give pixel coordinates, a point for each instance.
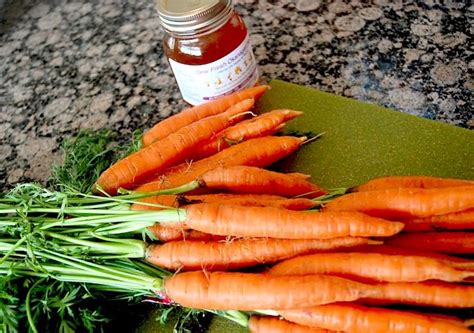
(208, 48)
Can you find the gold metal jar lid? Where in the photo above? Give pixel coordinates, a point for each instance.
(187, 17)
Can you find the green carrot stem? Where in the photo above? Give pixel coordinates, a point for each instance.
(128, 198)
(132, 248)
(12, 250)
(169, 215)
(100, 270)
(83, 232)
(268, 312)
(193, 185)
(124, 228)
(49, 268)
(149, 269)
(128, 268)
(23, 273)
(80, 211)
(111, 205)
(76, 197)
(28, 306)
(117, 229)
(17, 265)
(122, 285)
(238, 317)
(242, 318)
(77, 276)
(7, 223)
(332, 193)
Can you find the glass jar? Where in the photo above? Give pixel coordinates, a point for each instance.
(208, 48)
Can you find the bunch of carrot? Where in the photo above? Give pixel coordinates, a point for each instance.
(336, 267)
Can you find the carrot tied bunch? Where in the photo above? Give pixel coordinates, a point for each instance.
(235, 214)
(202, 224)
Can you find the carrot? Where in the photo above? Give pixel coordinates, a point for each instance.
(443, 242)
(361, 319)
(259, 152)
(258, 200)
(452, 221)
(260, 324)
(155, 158)
(455, 262)
(250, 291)
(383, 183)
(372, 267)
(156, 202)
(166, 233)
(299, 175)
(407, 202)
(262, 125)
(189, 255)
(246, 179)
(431, 293)
(153, 202)
(253, 180)
(272, 222)
(194, 235)
(196, 113)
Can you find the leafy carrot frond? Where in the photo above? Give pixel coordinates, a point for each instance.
(190, 320)
(87, 155)
(135, 145)
(8, 305)
(52, 306)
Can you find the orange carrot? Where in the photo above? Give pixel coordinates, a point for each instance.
(257, 200)
(431, 293)
(155, 158)
(250, 291)
(196, 113)
(372, 267)
(166, 233)
(238, 253)
(452, 221)
(151, 203)
(299, 175)
(456, 262)
(194, 235)
(361, 319)
(272, 222)
(407, 202)
(155, 202)
(384, 183)
(246, 179)
(443, 242)
(260, 324)
(259, 152)
(262, 125)
(261, 200)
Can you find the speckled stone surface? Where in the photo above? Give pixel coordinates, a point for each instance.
(68, 65)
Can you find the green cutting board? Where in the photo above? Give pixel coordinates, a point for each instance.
(360, 141)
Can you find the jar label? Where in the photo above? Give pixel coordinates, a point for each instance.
(233, 72)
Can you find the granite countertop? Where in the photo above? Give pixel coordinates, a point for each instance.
(68, 65)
